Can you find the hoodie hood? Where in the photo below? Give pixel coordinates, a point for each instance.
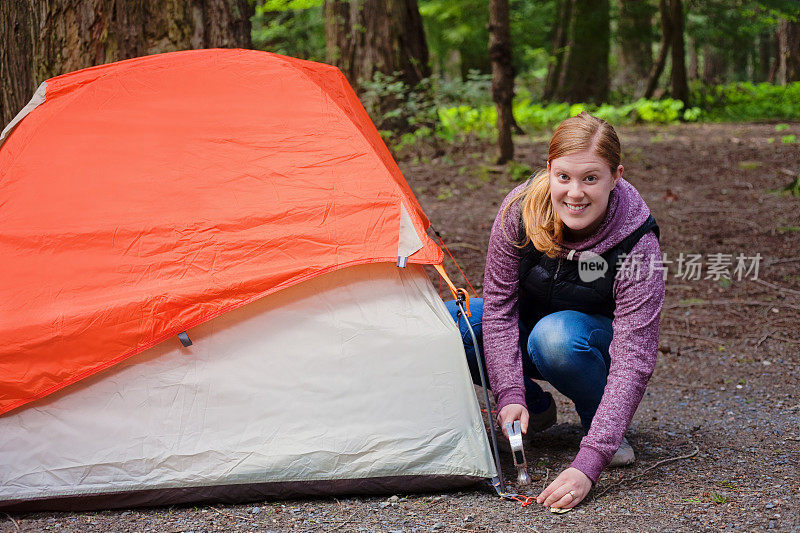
(626, 212)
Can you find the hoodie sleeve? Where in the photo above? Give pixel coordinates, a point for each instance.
(501, 310)
(639, 294)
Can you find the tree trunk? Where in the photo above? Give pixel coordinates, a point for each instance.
(766, 56)
(789, 56)
(502, 75)
(585, 72)
(694, 61)
(635, 33)
(740, 61)
(666, 41)
(773, 71)
(680, 87)
(560, 49)
(44, 38)
(713, 66)
(339, 40)
(368, 36)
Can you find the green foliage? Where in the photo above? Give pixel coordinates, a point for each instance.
(456, 29)
(459, 28)
(290, 27)
(393, 105)
(519, 171)
(287, 5)
(461, 120)
(740, 102)
(407, 116)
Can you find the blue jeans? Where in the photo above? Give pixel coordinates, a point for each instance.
(569, 349)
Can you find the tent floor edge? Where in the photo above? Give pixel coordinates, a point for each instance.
(244, 493)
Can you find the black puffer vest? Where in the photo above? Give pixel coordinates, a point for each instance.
(548, 285)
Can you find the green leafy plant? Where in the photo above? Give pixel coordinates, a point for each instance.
(793, 188)
(717, 498)
(290, 27)
(519, 171)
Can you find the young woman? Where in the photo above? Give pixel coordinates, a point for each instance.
(573, 291)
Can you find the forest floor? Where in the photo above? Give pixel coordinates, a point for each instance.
(717, 435)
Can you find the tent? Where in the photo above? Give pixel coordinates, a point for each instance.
(212, 290)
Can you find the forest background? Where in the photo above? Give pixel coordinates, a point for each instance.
(444, 70)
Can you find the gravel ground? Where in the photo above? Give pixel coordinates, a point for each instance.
(717, 435)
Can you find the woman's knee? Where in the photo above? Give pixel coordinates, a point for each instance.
(560, 342)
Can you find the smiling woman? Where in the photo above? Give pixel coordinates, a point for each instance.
(591, 332)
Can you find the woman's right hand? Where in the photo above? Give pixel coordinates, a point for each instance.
(510, 413)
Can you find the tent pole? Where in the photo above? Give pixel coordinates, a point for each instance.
(482, 372)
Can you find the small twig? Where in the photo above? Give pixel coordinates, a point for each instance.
(762, 339)
(779, 261)
(646, 470)
(776, 287)
(546, 477)
(13, 521)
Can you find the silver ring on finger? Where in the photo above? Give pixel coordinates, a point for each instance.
(572, 494)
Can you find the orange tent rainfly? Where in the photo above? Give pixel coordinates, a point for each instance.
(144, 197)
(226, 235)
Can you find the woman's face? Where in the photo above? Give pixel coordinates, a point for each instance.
(580, 185)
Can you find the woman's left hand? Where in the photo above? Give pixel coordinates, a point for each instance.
(567, 490)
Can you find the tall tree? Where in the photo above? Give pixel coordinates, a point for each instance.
(635, 36)
(368, 36)
(672, 39)
(663, 49)
(40, 39)
(502, 75)
(680, 87)
(766, 56)
(561, 48)
(713, 65)
(585, 70)
(789, 52)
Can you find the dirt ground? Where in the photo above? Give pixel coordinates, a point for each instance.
(717, 435)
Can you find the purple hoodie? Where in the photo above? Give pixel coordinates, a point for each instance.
(635, 325)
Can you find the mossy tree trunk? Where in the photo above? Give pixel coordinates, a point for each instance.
(368, 36)
(40, 39)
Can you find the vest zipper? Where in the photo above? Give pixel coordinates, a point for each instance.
(552, 284)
